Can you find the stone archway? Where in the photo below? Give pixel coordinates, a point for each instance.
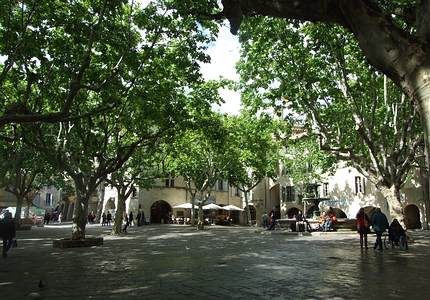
(160, 212)
(110, 205)
(292, 212)
(312, 212)
(412, 217)
(340, 214)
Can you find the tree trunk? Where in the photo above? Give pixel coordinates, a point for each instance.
(425, 121)
(80, 214)
(392, 195)
(248, 212)
(19, 202)
(101, 198)
(193, 205)
(426, 196)
(119, 214)
(201, 221)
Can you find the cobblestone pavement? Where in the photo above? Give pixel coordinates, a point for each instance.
(177, 262)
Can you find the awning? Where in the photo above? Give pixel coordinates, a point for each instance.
(232, 207)
(185, 205)
(212, 206)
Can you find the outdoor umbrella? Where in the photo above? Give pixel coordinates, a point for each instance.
(184, 205)
(212, 206)
(232, 207)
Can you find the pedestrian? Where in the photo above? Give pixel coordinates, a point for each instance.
(60, 217)
(130, 219)
(272, 219)
(108, 218)
(104, 218)
(363, 227)
(138, 218)
(127, 223)
(265, 220)
(7, 232)
(143, 221)
(379, 224)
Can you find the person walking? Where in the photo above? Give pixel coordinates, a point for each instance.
(108, 218)
(7, 232)
(126, 224)
(265, 220)
(104, 217)
(130, 218)
(363, 224)
(379, 224)
(272, 219)
(138, 218)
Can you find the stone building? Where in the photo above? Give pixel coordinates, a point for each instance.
(158, 203)
(345, 191)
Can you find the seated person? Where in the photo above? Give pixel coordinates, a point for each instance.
(395, 231)
(330, 219)
(322, 221)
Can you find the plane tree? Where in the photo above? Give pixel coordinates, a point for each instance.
(143, 167)
(197, 155)
(253, 150)
(149, 96)
(361, 116)
(393, 35)
(23, 171)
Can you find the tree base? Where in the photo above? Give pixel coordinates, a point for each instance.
(69, 243)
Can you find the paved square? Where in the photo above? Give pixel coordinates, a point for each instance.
(177, 262)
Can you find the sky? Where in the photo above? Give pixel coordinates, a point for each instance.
(224, 56)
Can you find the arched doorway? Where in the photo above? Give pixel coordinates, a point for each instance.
(292, 212)
(369, 211)
(312, 211)
(340, 214)
(110, 205)
(412, 215)
(160, 212)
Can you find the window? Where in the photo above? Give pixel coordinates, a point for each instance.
(283, 193)
(290, 193)
(312, 190)
(134, 193)
(48, 199)
(358, 185)
(170, 182)
(325, 189)
(37, 199)
(237, 193)
(220, 185)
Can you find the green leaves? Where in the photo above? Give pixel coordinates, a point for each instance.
(254, 145)
(316, 74)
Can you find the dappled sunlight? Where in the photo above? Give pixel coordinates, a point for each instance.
(178, 235)
(167, 261)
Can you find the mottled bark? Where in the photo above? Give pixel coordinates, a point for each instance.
(101, 198)
(247, 210)
(392, 195)
(201, 221)
(80, 217)
(426, 196)
(19, 202)
(119, 214)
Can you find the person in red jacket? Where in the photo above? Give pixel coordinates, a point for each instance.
(363, 224)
